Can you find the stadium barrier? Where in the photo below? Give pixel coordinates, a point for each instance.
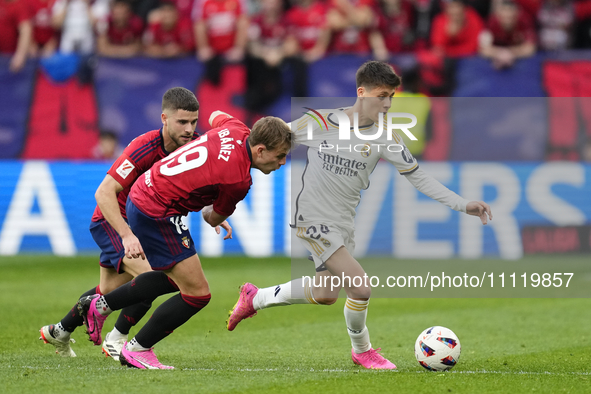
(41, 119)
(45, 207)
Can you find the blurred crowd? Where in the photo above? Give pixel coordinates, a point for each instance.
(266, 34)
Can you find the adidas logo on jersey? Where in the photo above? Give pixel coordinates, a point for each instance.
(325, 145)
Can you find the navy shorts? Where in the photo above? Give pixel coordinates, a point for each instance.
(166, 241)
(112, 250)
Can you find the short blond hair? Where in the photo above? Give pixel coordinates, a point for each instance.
(271, 132)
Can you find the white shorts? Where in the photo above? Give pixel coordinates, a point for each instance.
(323, 240)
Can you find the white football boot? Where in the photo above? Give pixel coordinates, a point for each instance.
(62, 345)
(112, 348)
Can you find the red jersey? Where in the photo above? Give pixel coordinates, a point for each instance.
(305, 24)
(396, 28)
(213, 169)
(127, 34)
(523, 31)
(137, 158)
(268, 34)
(465, 43)
(41, 13)
(352, 39)
(181, 34)
(220, 17)
(12, 13)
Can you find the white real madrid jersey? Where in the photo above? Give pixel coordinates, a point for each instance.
(337, 169)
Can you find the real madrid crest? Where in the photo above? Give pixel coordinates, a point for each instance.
(366, 151)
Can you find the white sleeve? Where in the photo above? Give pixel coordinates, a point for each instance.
(403, 160)
(299, 130)
(431, 187)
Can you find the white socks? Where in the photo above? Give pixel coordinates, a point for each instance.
(60, 333)
(116, 335)
(355, 310)
(282, 294)
(355, 317)
(103, 307)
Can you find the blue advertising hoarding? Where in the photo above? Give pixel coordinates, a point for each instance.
(45, 207)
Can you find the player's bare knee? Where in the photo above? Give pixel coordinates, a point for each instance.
(106, 288)
(359, 293)
(195, 290)
(110, 282)
(136, 267)
(326, 301)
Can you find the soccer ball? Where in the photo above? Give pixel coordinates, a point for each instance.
(437, 349)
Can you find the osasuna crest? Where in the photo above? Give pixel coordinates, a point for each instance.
(186, 242)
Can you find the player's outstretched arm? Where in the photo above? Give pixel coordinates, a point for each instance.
(431, 187)
(480, 209)
(106, 198)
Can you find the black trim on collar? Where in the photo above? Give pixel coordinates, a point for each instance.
(166, 153)
(248, 150)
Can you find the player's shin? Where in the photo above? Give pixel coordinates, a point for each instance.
(130, 316)
(166, 318)
(298, 291)
(355, 317)
(149, 285)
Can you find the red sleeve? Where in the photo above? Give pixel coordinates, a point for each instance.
(229, 196)
(225, 120)
(125, 171)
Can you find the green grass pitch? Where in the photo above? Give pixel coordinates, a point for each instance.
(508, 345)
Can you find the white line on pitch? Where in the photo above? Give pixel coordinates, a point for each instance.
(336, 370)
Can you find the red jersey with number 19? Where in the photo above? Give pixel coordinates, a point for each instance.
(138, 157)
(213, 169)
